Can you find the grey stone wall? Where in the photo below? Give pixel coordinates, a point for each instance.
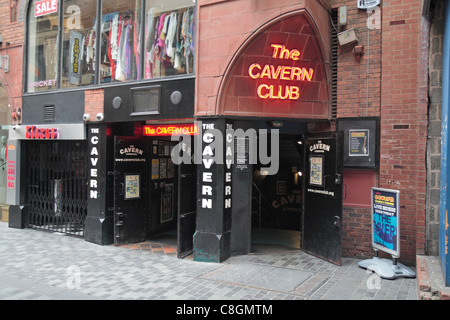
(434, 127)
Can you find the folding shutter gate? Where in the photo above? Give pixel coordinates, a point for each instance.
(56, 183)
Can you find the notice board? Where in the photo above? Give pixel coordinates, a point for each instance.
(385, 220)
(361, 142)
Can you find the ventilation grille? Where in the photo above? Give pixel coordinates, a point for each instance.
(334, 63)
(49, 113)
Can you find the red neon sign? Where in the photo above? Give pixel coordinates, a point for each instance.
(170, 129)
(285, 73)
(34, 132)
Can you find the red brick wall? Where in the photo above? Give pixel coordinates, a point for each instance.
(224, 26)
(388, 81)
(358, 95)
(14, 34)
(404, 119)
(94, 102)
(392, 69)
(356, 236)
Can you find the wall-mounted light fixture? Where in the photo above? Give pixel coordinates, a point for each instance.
(347, 37)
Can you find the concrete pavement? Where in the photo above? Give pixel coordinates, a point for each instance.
(37, 265)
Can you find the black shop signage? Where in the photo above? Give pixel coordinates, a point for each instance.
(385, 220)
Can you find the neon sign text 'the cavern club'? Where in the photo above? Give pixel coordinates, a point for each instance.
(280, 73)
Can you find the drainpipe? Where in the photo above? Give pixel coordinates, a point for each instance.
(445, 156)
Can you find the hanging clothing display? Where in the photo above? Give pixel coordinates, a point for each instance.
(120, 47)
(169, 43)
(167, 40)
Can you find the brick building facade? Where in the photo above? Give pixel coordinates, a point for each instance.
(387, 81)
(11, 51)
(382, 78)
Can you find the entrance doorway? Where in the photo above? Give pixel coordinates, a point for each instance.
(277, 199)
(153, 198)
(300, 207)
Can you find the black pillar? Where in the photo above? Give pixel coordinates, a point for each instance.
(213, 225)
(99, 221)
(241, 218)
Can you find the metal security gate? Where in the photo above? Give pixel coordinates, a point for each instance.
(56, 182)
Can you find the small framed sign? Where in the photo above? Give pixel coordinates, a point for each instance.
(358, 143)
(316, 171)
(361, 142)
(132, 186)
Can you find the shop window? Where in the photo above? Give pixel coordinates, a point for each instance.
(120, 41)
(79, 36)
(169, 38)
(42, 48)
(119, 48)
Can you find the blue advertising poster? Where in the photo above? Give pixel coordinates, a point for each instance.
(385, 221)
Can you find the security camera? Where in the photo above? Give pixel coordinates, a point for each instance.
(86, 117)
(100, 116)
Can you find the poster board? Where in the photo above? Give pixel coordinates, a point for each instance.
(167, 202)
(361, 142)
(385, 220)
(316, 171)
(132, 186)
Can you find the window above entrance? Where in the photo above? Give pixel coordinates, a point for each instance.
(74, 43)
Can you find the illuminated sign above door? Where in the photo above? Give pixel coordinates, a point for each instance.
(281, 73)
(162, 130)
(37, 133)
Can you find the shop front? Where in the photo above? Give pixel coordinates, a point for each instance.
(105, 84)
(136, 190)
(46, 177)
(212, 139)
(271, 103)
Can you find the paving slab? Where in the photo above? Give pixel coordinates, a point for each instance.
(36, 265)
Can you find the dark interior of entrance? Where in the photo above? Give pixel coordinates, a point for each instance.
(277, 206)
(145, 186)
(277, 199)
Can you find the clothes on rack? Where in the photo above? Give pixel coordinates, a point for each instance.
(119, 59)
(169, 43)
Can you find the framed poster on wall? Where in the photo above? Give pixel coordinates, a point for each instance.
(361, 142)
(132, 186)
(316, 171)
(167, 202)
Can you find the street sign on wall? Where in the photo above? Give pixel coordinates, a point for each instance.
(366, 4)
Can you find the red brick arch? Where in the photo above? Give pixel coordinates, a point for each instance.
(279, 71)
